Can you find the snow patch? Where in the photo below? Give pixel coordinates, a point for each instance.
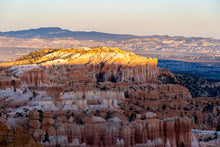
(19, 69)
(115, 119)
(98, 119)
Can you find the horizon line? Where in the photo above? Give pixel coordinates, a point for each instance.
(161, 35)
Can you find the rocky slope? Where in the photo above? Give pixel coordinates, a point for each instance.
(97, 97)
(8, 82)
(15, 136)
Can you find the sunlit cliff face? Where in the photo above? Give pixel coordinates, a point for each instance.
(83, 65)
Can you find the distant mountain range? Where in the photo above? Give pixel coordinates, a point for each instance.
(56, 32)
(124, 41)
(195, 49)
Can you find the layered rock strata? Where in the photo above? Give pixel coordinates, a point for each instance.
(96, 131)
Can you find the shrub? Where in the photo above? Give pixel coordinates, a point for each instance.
(18, 114)
(113, 79)
(79, 121)
(195, 118)
(103, 88)
(182, 144)
(33, 56)
(46, 138)
(164, 106)
(41, 114)
(218, 127)
(186, 109)
(108, 115)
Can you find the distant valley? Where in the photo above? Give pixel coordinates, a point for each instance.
(196, 69)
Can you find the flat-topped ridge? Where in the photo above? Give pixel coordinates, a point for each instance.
(82, 55)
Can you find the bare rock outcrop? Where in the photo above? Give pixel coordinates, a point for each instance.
(35, 77)
(156, 92)
(9, 82)
(16, 137)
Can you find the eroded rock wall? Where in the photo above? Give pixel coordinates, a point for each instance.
(96, 131)
(35, 77)
(16, 137)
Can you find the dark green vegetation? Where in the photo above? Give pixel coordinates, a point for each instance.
(198, 87)
(34, 56)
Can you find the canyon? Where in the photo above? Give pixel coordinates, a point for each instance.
(99, 96)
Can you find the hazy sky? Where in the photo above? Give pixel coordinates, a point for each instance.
(140, 17)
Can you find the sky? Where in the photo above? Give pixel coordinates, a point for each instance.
(198, 18)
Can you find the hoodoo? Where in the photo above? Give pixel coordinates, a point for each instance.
(94, 96)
